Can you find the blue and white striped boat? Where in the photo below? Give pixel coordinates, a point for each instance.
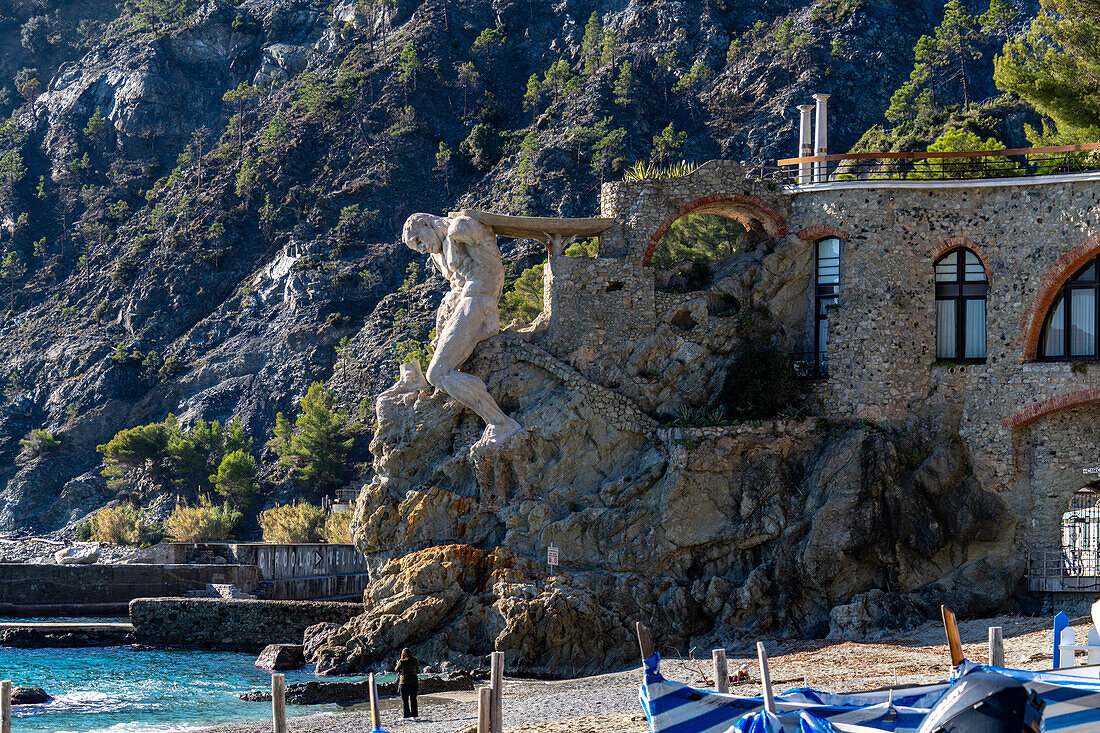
(1072, 705)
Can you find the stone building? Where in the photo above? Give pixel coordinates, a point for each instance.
(976, 299)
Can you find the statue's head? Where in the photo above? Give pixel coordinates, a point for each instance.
(424, 233)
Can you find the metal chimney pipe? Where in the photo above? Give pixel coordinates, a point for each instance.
(805, 145)
(821, 137)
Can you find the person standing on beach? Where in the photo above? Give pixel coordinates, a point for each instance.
(408, 682)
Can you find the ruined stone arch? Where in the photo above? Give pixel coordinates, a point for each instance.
(1051, 283)
(748, 210)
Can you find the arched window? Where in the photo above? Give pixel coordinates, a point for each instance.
(1070, 328)
(826, 293)
(961, 286)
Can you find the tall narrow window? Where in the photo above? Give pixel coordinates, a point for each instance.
(961, 287)
(1070, 330)
(826, 293)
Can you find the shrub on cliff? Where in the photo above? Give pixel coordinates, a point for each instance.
(204, 522)
(39, 441)
(124, 524)
(761, 383)
(337, 529)
(292, 523)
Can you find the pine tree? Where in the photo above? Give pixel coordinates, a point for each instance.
(532, 98)
(590, 44)
(317, 451)
(626, 88)
(408, 68)
(443, 166)
(284, 431)
(486, 44)
(12, 268)
(235, 478)
(667, 145)
(1056, 68)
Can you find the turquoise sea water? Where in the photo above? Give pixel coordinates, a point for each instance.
(121, 690)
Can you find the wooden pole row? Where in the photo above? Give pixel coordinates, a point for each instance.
(278, 702)
(490, 707)
(5, 706)
(996, 646)
(721, 673)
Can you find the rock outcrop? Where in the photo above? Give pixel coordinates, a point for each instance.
(29, 696)
(279, 657)
(786, 526)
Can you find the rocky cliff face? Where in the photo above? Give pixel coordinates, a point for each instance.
(216, 241)
(790, 526)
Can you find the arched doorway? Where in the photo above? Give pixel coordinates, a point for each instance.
(1081, 533)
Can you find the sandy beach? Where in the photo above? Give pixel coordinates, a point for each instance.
(609, 703)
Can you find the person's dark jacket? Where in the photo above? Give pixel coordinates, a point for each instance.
(408, 671)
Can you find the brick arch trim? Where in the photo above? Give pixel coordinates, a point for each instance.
(772, 221)
(956, 242)
(1033, 412)
(821, 231)
(1049, 286)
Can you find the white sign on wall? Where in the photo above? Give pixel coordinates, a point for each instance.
(1095, 471)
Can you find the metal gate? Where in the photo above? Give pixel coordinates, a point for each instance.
(1081, 534)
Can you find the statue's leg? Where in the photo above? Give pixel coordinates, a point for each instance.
(468, 325)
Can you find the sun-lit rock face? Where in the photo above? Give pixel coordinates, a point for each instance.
(782, 526)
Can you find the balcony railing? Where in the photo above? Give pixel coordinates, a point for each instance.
(954, 166)
(1065, 570)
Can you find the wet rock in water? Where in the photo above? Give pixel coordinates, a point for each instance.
(77, 555)
(278, 657)
(29, 696)
(315, 636)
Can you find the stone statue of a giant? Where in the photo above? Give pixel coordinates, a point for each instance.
(465, 252)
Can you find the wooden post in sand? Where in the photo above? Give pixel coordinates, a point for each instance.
(5, 706)
(996, 646)
(484, 709)
(375, 713)
(645, 641)
(721, 673)
(496, 681)
(278, 702)
(765, 677)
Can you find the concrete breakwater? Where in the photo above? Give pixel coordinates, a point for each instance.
(237, 625)
(53, 635)
(268, 571)
(27, 589)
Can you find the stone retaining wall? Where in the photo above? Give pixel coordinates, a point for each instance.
(207, 623)
(86, 585)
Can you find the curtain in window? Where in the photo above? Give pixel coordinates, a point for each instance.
(1056, 334)
(975, 329)
(945, 329)
(1082, 335)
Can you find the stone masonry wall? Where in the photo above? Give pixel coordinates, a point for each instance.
(882, 341)
(1011, 410)
(204, 623)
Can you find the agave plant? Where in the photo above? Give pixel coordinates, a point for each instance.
(644, 171)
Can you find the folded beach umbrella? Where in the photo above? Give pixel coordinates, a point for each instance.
(759, 722)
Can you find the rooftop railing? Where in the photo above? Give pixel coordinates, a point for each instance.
(952, 166)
